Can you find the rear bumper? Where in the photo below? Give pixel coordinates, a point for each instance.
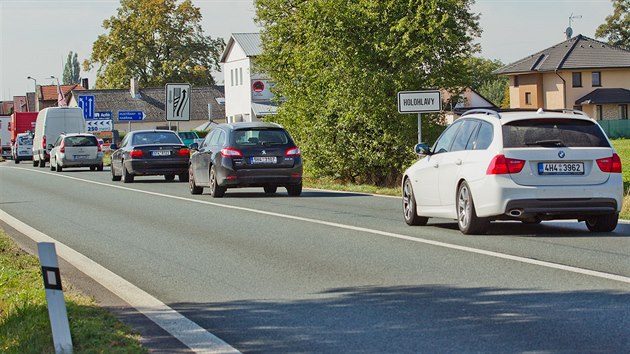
(157, 167)
(564, 208)
(81, 163)
(258, 177)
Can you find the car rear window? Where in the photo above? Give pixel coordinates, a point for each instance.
(553, 133)
(25, 140)
(251, 137)
(155, 138)
(71, 141)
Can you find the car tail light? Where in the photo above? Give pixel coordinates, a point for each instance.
(610, 164)
(62, 147)
(183, 152)
(230, 152)
(501, 165)
(44, 142)
(136, 154)
(296, 175)
(100, 149)
(293, 152)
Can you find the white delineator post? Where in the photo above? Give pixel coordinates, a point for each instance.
(54, 296)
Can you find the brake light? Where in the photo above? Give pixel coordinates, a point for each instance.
(100, 149)
(293, 152)
(501, 165)
(230, 152)
(183, 152)
(44, 142)
(62, 147)
(136, 154)
(610, 164)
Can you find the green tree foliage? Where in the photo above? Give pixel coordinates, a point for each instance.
(617, 27)
(489, 85)
(338, 65)
(155, 41)
(72, 70)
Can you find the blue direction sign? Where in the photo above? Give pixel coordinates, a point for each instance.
(87, 104)
(103, 115)
(126, 116)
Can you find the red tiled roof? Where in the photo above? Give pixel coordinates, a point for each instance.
(49, 92)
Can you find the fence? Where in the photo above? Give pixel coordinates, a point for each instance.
(616, 128)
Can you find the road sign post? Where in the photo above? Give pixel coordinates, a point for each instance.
(178, 102)
(429, 101)
(57, 312)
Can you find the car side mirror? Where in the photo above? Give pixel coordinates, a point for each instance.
(423, 149)
(113, 146)
(50, 146)
(194, 146)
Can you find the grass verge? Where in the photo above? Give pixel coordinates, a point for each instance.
(24, 322)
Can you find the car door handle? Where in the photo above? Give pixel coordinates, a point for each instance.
(458, 162)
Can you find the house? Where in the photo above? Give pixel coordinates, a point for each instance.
(579, 73)
(206, 104)
(248, 95)
(456, 104)
(48, 95)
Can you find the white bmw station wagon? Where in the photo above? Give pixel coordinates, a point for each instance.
(527, 166)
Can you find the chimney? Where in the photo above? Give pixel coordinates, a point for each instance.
(84, 83)
(134, 89)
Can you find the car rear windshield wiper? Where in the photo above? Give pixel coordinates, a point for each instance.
(549, 143)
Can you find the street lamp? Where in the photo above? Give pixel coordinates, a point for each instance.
(36, 95)
(61, 99)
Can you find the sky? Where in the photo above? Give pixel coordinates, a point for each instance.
(37, 35)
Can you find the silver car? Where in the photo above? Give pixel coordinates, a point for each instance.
(76, 150)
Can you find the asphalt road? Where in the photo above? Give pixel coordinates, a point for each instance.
(337, 272)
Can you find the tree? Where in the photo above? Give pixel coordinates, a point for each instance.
(339, 64)
(156, 42)
(483, 80)
(72, 70)
(617, 26)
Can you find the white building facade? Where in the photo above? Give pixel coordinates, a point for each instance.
(247, 94)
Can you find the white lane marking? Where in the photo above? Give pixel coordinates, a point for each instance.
(577, 270)
(186, 331)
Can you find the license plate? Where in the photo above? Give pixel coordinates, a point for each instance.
(263, 159)
(161, 153)
(561, 168)
(81, 157)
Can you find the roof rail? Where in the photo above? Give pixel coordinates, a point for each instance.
(484, 111)
(574, 111)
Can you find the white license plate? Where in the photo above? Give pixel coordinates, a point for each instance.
(264, 159)
(561, 168)
(81, 157)
(161, 153)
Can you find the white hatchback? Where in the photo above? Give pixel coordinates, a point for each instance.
(526, 166)
(76, 150)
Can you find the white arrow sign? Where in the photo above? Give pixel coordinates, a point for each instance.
(101, 125)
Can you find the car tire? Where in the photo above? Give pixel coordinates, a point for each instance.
(467, 220)
(114, 177)
(215, 190)
(92, 168)
(99, 167)
(16, 161)
(294, 190)
(42, 163)
(409, 207)
(52, 166)
(59, 168)
(169, 178)
(184, 177)
(603, 223)
(126, 176)
(270, 189)
(35, 163)
(194, 189)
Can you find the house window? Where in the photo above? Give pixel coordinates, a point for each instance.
(597, 78)
(528, 98)
(577, 108)
(515, 80)
(577, 79)
(231, 77)
(240, 74)
(623, 111)
(599, 112)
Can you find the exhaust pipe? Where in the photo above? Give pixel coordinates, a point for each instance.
(515, 212)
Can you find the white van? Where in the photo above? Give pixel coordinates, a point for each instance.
(22, 149)
(51, 122)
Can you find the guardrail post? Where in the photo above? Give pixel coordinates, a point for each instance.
(54, 297)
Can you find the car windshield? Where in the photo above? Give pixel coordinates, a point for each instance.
(25, 140)
(251, 137)
(71, 141)
(553, 133)
(155, 138)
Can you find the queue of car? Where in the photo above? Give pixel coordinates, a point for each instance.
(525, 166)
